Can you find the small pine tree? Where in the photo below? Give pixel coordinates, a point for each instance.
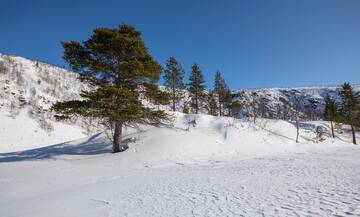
(173, 81)
(227, 102)
(222, 91)
(196, 88)
(211, 105)
(349, 108)
(186, 108)
(331, 112)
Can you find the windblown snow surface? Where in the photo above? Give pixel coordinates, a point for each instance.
(220, 167)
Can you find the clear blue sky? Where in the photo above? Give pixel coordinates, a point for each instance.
(277, 43)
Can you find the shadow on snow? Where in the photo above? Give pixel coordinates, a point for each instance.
(93, 145)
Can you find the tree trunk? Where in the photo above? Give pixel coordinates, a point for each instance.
(297, 130)
(173, 106)
(174, 99)
(197, 104)
(117, 143)
(332, 129)
(353, 134)
(219, 105)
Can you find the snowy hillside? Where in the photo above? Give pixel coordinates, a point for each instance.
(23, 132)
(36, 85)
(219, 167)
(27, 90)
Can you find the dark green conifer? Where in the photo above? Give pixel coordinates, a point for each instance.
(331, 112)
(221, 89)
(196, 88)
(349, 108)
(173, 81)
(186, 108)
(117, 64)
(211, 105)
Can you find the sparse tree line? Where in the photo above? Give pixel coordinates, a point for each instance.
(218, 102)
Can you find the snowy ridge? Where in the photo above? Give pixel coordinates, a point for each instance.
(273, 101)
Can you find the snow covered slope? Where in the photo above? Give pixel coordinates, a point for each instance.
(26, 83)
(22, 132)
(27, 90)
(219, 167)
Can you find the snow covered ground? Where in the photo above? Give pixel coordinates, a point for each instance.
(22, 132)
(220, 167)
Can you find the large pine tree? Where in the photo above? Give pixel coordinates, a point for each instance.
(121, 71)
(173, 81)
(196, 88)
(349, 107)
(331, 112)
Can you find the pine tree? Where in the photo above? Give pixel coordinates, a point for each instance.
(221, 90)
(349, 108)
(173, 77)
(186, 108)
(196, 88)
(118, 65)
(211, 105)
(227, 101)
(331, 112)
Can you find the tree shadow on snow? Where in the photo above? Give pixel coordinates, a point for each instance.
(93, 145)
